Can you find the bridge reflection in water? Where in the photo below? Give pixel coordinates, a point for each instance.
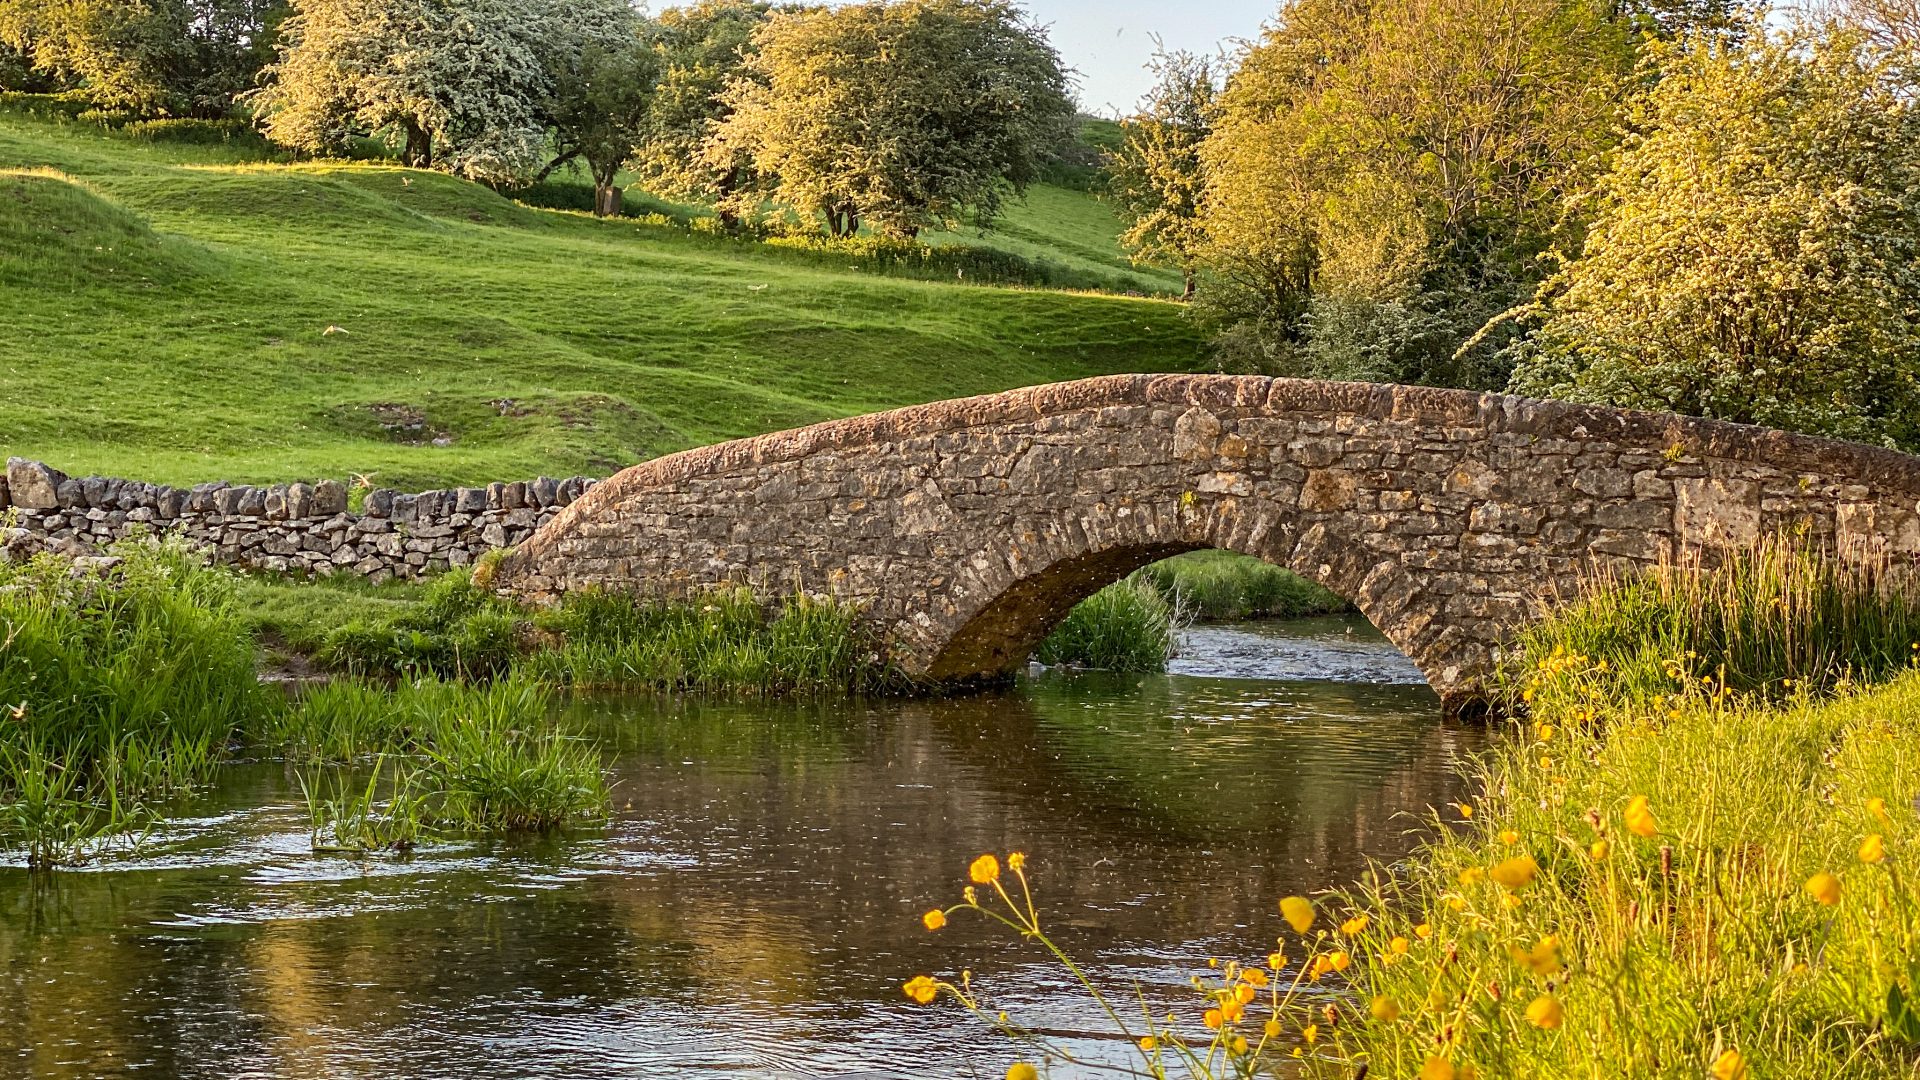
(754, 906)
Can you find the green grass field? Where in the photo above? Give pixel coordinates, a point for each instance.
(168, 306)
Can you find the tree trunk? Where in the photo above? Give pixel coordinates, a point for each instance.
(606, 199)
(419, 152)
(1187, 292)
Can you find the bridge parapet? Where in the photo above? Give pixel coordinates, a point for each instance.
(966, 529)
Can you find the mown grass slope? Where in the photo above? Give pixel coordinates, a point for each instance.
(168, 307)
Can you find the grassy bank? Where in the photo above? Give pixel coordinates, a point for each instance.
(1220, 585)
(127, 682)
(183, 310)
(1694, 858)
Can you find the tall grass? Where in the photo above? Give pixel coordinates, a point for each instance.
(117, 685)
(1221, 585)
(1127, 626)
(1770, 621)
(725, 642)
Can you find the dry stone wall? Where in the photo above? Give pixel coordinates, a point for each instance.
(287, 527)
(967, 528)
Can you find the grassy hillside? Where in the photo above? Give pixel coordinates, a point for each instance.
(168, 307)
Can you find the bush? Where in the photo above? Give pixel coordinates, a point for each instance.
(1127, 626)
(458, 630)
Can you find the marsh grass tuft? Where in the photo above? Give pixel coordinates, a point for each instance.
(1127, 626)
(466, 758)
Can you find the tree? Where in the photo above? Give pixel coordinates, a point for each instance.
(1405, 157)
(1889, 24)
(1156, 177)
(603, 89)
(700, 50)
(1755, 250)
(464, 82)
(899, 115)
(150, 56)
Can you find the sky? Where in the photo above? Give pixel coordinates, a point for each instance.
(1109, 41)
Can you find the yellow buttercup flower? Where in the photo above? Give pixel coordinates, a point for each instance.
(1509, 837)
(921, 989)
(985, 870)
(1309, 1033)
(1423, 931)
(1245, 993)
(1873, 849)
(1399, 946)
(1472, 876)
(1298, 911)
(1339, 961)
(1238, 1045)
(934, 919)
(1232, 1010)
(1436, 1068)
(1276, 961)
(1545, 1012)
(1515, 873)
(1254, 976)
(1600, 849)
(1213, 1019)
(1020, 1070)
(1466, 809)
(1354, 925)
(1271, 1029)
(1148, 1043)
(1729, 1066)
(1824, 887)
(1384, 1009)
(1877, 806)
(1639, 819)
(1543, 959)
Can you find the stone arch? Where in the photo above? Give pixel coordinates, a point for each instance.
(965, 528)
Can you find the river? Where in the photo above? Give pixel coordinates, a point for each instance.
(753, 906)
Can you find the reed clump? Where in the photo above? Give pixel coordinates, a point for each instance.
(1777, 619)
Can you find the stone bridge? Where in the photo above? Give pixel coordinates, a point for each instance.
(966, 529)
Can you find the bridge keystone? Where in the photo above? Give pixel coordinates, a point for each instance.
(966, 529)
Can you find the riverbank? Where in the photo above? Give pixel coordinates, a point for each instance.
(1693, 856)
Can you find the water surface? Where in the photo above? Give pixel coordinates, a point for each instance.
(754, 905)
